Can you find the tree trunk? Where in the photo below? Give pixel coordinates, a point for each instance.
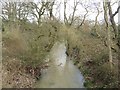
(65, 18)
(119, 29)
(96, 22)
(51, 10)
(74, 10)
(108, 32)
(112, 20)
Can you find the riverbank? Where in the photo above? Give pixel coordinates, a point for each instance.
(21, 68)
(90, 55)
(28, 50)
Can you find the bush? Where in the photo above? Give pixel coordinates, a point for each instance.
(108, 75)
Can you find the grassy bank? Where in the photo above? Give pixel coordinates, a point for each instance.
(25, 49)
(24, 52)
(91, 56)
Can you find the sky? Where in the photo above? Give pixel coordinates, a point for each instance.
(81, 11)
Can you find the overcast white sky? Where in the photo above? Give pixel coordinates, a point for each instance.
(81, 10)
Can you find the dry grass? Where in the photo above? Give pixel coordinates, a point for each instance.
(32, 46)
(23, 52)
(91, 56)
(14, 43)
(13, 74)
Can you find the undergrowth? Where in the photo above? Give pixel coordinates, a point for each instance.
(28, 46)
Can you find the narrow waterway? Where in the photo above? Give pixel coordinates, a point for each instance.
(61, 73)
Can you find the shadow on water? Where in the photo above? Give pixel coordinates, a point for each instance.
(61, 73)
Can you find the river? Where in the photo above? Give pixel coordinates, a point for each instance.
(62, 73)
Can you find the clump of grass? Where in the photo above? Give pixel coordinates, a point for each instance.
(13, 43)
(14, 75)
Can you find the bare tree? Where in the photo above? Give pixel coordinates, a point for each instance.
(70, 19)
(15, 11)
(112, 18)
(84, 17)
(114, 26)
(74, 10)
(118, 28)
(9, 13)
(65, 17)
(58, 10)
(9, 10)
(96, 26)
(108, 32)
(50, 9)
(38, 9)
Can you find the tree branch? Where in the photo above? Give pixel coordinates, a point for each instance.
(116, 12)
